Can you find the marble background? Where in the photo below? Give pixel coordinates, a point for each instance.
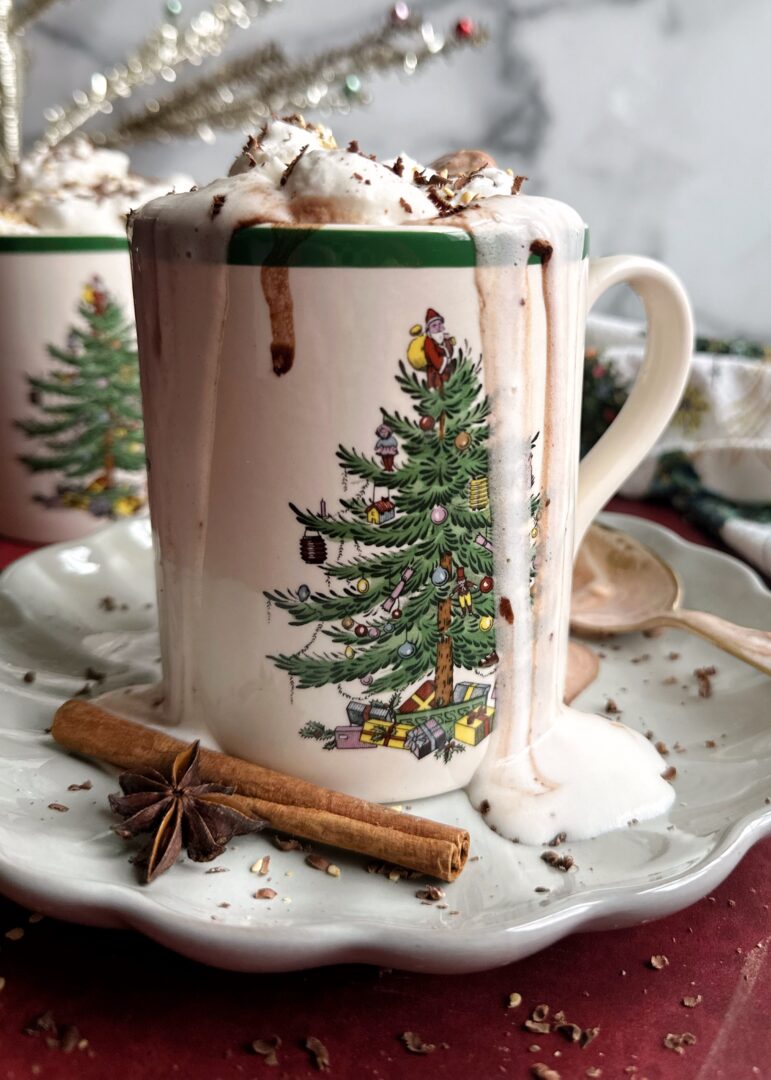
(650, 116)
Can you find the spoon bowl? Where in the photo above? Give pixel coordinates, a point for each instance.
(620, 586)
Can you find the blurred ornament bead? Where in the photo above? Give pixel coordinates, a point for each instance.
(486, 622)
(406, 649)
(427, 423)
(439, 576)
(352, 86)
(360, 631)
(462, 440)
(486, 584)
(347, 622)
(400, 13)
(464, 28)
(303, 593)
(438, 515)
(362, 585)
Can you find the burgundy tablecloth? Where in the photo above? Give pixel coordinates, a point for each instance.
(145, 1012)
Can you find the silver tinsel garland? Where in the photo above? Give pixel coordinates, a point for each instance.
(237, 93)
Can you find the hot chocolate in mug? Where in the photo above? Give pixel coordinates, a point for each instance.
(365, 497)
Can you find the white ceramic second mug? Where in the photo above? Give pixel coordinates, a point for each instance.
(355, 511)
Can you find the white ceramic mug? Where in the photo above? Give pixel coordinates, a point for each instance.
(356, 515)
(45, 284)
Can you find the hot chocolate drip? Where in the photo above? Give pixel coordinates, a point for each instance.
(278, 296)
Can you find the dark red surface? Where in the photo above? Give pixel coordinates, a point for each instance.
(148, 1013)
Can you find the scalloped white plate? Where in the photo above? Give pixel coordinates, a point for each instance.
(72, 866)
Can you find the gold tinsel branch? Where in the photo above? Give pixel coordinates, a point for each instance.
(10, 111)
(246, 94)
(167, 48)
(28, 13)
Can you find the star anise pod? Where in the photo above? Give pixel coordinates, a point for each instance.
(180, 811)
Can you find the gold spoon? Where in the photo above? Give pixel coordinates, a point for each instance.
(620, 586)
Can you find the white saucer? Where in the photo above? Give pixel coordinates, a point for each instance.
(72, 866)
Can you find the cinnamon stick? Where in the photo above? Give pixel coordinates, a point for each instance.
(290, 804)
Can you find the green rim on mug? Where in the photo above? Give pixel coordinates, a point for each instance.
(353, 247)
(43, 245)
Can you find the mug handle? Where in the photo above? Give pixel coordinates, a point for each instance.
(657, 389)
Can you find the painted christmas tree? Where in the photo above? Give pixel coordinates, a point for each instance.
(414, 598)
(92, 428)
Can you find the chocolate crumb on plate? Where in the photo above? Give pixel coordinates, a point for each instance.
(515, 1000)
(704, 679)
(60, 807)
(570, 1031)
(710, 744)
(671, 680)
(541, 889)
(558, 862)
(288, 843)
(658, 962)
(673, 656)
(611, 706)
(431, 892)
(678, 1043)
(108, 603)
(266, 1049)
(16, 934)
(217, 870)
(317, 862)
(555, 841)
(662, 748)
(265, 894)
(484, 807)
(29, 676)
(589, 1035)
(641, 659)
(318, 1052)
(669, 773)
(85, 786)
(262, 866)
(692, 1001)
(593, 1072)
(414, 1043)
(538, 1027)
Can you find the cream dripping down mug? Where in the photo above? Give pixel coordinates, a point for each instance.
(365, 497)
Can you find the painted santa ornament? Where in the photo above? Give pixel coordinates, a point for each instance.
(438, 514)
(439, 576)
(486, 584)
(406, 650)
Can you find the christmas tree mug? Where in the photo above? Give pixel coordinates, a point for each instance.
(364, 486)
(71, 440)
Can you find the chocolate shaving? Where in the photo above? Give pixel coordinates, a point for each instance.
(289, 843)
(405, 206)
(266, 1049)
(543, 1072)
(704, 677)
(398, 166)
(353, 147)
(431, 892)
(679, 1042)
(85, 786)
(216, 205)
(318, 1052)
(540, 1027)
(413, 1042)
(291, 166)
(559, 862)
(516, 184)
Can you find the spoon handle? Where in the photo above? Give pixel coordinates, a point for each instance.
(744, 642)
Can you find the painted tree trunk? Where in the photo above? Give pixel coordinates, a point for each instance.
(444, 657)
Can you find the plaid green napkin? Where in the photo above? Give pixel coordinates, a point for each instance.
(713, 462)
